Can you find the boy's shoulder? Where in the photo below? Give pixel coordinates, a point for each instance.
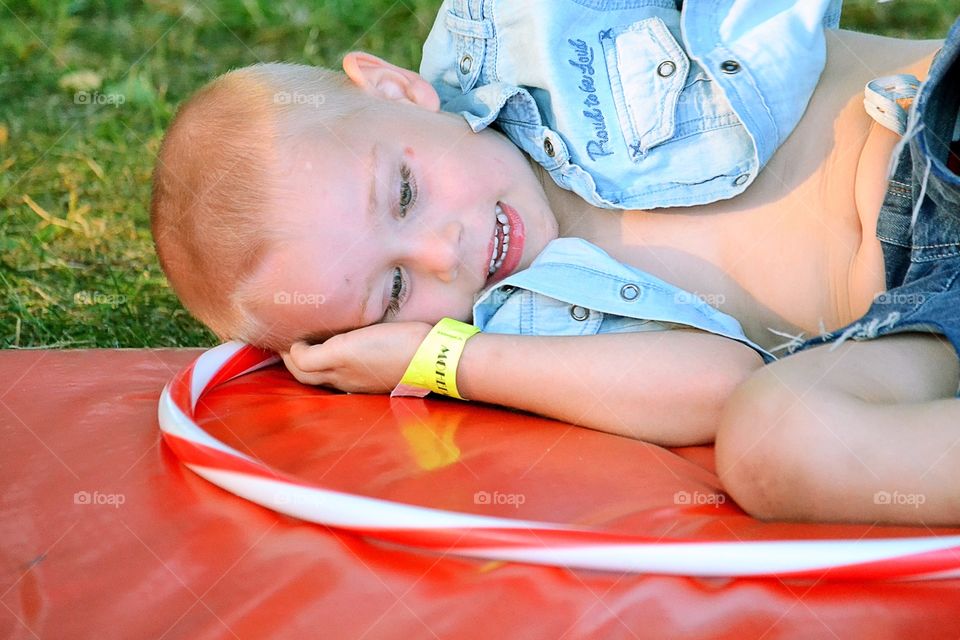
(633, 105)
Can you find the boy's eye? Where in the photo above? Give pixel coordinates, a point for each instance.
(406, 194)
(396, 292)
(408, 190)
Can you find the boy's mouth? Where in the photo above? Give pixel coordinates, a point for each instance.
(506, 245)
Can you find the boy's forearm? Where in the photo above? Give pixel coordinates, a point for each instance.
(665, 387)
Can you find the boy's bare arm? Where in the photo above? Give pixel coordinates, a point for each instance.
(665, 387)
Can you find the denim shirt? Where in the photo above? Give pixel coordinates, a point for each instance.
(634, 104)
(575, 288)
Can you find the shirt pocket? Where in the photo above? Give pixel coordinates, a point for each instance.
(647, 69)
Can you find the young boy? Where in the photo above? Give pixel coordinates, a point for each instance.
(277, 220)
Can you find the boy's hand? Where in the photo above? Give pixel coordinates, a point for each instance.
(367, 360)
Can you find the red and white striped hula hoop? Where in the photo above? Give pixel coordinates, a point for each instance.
(913, 558)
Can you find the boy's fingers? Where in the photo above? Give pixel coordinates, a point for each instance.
(302, 376)
(304, 356)
(288, 361)
(291, 365)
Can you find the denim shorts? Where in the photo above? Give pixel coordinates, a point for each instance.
(919, 222)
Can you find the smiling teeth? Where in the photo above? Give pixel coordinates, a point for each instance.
(499, 253)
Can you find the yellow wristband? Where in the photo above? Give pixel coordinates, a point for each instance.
(434, 365)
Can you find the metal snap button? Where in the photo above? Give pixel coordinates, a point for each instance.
(466, 63)
(666, 68)
(548, 147)
(578, 313)
(741, 179)
(629, 292)
(507, 289)
(730, 66)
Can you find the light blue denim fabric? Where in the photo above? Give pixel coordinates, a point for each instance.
(575, 288)
(634, 104)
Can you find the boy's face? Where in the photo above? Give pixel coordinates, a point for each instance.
(401, 204)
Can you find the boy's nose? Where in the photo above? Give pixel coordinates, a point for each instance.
(439, 250)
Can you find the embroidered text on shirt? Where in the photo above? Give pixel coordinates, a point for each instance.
(584, 61)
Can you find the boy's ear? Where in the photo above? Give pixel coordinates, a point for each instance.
(379, 78)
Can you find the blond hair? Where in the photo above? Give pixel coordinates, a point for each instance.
(213, 184)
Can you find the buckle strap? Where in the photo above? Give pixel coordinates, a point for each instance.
(880, 97)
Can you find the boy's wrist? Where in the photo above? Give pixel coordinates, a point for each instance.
(472, 367)
(435, 363)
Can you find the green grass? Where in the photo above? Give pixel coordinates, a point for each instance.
(77, 266)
